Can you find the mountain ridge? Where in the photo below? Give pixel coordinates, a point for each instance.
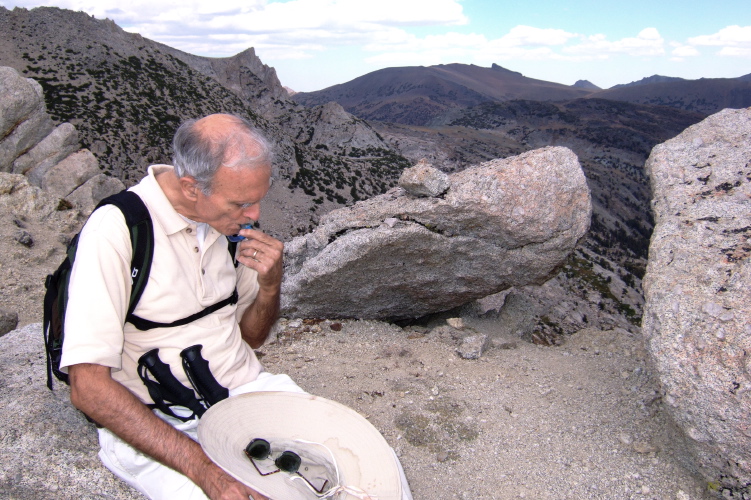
(419, 95)
(426, 92)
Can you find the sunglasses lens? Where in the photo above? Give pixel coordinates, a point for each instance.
(258, 449)
(288, 462)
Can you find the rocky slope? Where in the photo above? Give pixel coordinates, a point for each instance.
(126, 95)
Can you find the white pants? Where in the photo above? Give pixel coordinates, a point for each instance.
(158, 481)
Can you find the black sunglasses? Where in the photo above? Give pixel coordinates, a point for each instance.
(288, 461)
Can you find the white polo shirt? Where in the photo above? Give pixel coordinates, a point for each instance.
(185, 278)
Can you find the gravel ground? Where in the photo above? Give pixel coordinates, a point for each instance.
(577, 421)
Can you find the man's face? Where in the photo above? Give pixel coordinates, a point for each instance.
(235, 198)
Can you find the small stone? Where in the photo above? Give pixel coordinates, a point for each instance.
(712, 308)
(442, 456)
(424, 180)
(8, 321)
(64, 239)
(644, 447)
(337, 327)
(24, 238)
(457, 323)
(625, 438)
(472, 347)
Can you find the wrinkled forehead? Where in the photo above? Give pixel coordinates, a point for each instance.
(242, 185)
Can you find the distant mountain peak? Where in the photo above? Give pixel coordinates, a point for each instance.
(586, 84)
(495, 67)
(651, 79)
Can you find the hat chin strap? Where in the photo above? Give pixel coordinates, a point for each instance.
(339, 488)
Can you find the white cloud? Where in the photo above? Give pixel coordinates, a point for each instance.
(682, 51)
(735, 51)
(225, 27)
(734, 40)
(732, 36)
(647, 43)
(520, 36)
(521, 42)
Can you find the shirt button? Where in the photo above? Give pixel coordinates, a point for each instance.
(203, 271)
(195, 249)
(189, 230)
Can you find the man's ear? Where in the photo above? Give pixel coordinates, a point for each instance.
(189, 187)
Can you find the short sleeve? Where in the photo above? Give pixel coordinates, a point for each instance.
(98, 292)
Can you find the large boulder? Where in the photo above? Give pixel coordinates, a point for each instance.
(504, 223)
(23, 116)
(63, 178)
(86, 197)
(58, 145)
(697, 318)
(43, 156)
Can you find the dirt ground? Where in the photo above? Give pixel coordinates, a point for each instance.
(577, 421)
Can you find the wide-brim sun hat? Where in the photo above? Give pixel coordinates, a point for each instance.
(333, 441)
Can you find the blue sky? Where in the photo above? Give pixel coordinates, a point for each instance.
(314, 44)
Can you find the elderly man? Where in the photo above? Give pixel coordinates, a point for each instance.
(221, 171)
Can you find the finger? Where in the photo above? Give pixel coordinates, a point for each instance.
(261, 252)
(253, 235)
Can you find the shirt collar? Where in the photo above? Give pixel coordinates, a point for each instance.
(161, 210)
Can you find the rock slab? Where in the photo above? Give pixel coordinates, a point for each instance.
(697, 319)
(503, 223)
(48, 449)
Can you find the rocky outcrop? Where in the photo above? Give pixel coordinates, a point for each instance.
(335, 128)
(48, 157)
(48, 449)
(503, 223)
(23, 118)
(244, 74)
(697, 318)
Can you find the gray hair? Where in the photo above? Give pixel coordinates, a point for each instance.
(199, 154)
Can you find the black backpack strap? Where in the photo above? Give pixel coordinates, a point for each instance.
(232, 247)
(138, 220)
(145, 324)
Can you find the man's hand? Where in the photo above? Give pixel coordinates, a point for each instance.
(110, 404)
(225, 487)
(264, 254)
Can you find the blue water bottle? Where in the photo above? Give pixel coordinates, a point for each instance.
(236, 237)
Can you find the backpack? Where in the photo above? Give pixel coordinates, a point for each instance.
(141, 228)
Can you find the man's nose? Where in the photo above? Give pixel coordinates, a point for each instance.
(252, 212)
